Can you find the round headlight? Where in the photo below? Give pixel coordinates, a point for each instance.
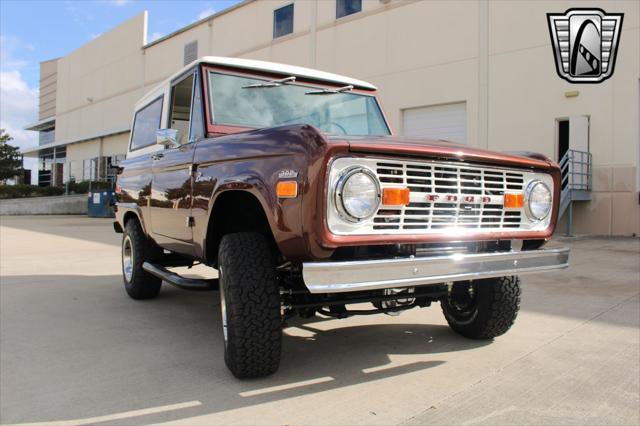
(538, 200)
(358, 194)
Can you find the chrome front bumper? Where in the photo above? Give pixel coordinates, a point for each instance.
(338, 277)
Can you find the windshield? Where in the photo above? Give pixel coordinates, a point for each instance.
(268, 105)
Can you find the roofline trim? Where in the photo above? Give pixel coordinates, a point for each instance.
(201, 21)
(41, 124)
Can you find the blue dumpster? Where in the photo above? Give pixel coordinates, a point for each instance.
(101, 203)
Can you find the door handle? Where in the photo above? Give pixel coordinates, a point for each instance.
(157, 156)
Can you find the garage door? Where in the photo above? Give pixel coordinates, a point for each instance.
(447, 122)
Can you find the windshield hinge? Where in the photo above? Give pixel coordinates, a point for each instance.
(272, 83)
(330, 91)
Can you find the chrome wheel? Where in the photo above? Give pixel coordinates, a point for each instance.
(127, 258)
(223, 307)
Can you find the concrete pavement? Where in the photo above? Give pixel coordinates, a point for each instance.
(74, 349)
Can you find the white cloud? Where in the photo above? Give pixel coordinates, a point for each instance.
(205, 13)
(18, 101)
(95, 35)
(19, 107)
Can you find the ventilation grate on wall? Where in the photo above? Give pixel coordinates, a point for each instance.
(190, 52)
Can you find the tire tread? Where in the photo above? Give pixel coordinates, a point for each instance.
(497, 309)
(253, 305)
(143, 285)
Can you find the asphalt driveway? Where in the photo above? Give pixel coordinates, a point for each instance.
(74, 349)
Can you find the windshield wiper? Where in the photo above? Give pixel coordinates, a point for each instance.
(272, 83)
(331, 91)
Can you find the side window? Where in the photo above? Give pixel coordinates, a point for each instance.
(145, 124)
(197, 118)
(347, 7)
(283, 21)
(180, 110)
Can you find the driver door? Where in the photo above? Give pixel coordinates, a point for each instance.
(172, 181)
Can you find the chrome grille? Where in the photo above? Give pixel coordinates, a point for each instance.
(447, 195)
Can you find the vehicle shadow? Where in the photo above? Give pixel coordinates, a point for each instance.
(114, 355)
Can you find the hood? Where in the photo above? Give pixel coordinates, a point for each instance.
(440, 149)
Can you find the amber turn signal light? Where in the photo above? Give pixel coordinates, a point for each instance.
(287, 189)
(395, 196)
(513, 201)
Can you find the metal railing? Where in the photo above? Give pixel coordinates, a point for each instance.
(576, 170)
(577, 178)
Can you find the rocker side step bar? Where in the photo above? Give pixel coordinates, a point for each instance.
(179, 281)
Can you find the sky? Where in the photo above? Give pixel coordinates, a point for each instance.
(32, 31)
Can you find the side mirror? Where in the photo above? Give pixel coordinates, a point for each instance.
(168, 138)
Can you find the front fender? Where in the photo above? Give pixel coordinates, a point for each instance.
(255, 162)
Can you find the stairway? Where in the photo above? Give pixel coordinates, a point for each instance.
(576, 170)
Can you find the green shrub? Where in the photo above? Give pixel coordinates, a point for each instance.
(82, 187)
(24, 191)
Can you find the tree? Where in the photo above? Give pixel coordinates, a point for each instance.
(10, 158)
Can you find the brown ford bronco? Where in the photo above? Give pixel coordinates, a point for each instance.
(289, 182)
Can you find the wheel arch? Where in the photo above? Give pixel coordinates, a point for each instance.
(235, 211)
(127, 213)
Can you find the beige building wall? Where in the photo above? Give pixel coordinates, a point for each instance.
(526, 97)
(99, 83)
(494, 56)
(48, 88)
(77, 153)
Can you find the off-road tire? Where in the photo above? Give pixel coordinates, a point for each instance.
(251, 299)
(141, 284)
(493, 313)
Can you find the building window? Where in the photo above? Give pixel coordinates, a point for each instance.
(283, 21)
(89, 169)
(145, 124)
(347, 7)
(190, 52)
(46, 137)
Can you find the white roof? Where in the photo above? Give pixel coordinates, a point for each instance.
(271, 67)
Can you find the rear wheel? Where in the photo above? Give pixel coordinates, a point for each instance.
(137, 249)
(250, 305)
(483, 309)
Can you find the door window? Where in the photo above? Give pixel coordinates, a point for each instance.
(145, 124)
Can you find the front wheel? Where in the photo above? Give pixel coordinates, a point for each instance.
(137, 249)
(483, 309)
(250, 305)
